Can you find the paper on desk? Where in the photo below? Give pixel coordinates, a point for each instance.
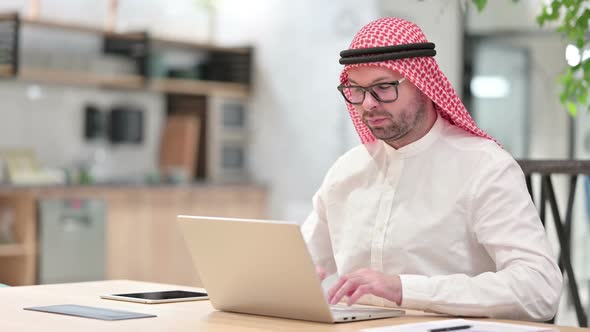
(476, 326)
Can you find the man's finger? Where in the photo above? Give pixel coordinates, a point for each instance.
(360, 291)
(348, 288)
(336, 287)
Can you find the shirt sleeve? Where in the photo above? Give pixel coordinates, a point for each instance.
(527, 282)
(317, 236)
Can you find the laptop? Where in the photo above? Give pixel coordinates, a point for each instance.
(263, 267)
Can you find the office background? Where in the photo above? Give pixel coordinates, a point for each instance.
(294, 124)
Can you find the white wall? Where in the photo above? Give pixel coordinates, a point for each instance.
(442, 22)
(52, 125)
(506, 16)
(181, 19)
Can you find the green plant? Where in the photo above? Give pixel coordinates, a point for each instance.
(206, 4)
(573, 17)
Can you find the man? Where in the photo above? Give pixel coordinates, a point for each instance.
(429, 213)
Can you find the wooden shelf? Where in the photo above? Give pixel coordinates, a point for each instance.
(194, 87)
(70, 26)
(54, 24)
(126, 81)
(12, 250)
(80, 78)
(180, 86)
(5, 70)
(61, 25)
(7, 16)
(197, 45)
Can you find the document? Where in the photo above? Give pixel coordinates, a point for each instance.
(460, 325)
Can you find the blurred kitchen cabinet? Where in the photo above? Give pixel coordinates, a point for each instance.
(17, 239)
(228, 139)
(223, 142)
(71, 240)
(142, 238)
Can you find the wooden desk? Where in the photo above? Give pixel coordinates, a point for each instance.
(180, 316)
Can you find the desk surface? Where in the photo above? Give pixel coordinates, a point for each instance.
(180, 316)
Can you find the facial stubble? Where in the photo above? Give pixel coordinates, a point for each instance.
(395, 129)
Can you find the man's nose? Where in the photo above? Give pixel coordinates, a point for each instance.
(370, 101)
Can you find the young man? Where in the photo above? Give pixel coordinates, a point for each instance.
(429, 213)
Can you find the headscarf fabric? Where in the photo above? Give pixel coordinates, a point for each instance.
(422, 71)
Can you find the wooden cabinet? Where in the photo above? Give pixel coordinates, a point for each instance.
(18, 248)
(143, 241)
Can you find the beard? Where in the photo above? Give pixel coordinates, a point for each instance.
(398, 126)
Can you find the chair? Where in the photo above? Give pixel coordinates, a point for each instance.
(563, 228)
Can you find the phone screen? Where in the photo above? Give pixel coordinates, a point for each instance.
(166, 295)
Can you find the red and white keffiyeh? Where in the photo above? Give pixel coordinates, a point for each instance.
(423, 72)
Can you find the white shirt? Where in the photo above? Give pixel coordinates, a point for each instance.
(450, 214)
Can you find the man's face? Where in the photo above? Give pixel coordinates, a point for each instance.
(389, 122)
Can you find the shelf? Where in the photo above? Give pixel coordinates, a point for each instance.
(180, 86)
(64, 26)
(193, 87)
(69, 26)
(196, 45)
(5, 70)
(7, 16)
(80, 78)
(128, 35)
(136, 46)
(12, 250)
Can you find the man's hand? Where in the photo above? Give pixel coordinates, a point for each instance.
(320, 272)
(366, 281)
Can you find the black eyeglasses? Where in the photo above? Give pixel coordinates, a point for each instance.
(385, 92)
